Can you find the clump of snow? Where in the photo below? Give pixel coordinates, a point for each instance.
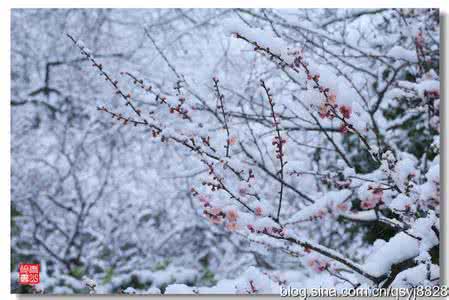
(401, 202)
(401, 247)
(427, 85)
(262, 37)
(153, 291)
(256, 282)
(89, 282)
(179, 289)
(416, 276)
(399, 52)
(404, 171)
(130, 291)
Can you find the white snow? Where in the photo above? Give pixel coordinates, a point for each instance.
(399, 52)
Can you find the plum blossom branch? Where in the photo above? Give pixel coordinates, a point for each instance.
(331, 254)
(278, 142)
(86, 52)
(220, 98)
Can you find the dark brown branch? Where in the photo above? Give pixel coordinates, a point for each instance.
(221, 107)
(279, 142)
(324, 251)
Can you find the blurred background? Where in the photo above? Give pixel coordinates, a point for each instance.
(91, 197)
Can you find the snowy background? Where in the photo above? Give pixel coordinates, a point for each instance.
(227, 151)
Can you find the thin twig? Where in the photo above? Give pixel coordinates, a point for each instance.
(279, 142)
